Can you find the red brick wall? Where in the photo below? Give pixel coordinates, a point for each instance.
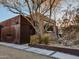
(18, 32)
(10, 27)
(11, 21)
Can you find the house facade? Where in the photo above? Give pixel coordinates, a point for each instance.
(16, 30)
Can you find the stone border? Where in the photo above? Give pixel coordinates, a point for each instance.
(55, 48)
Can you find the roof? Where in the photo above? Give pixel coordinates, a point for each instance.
(16, 18)
(9, 21)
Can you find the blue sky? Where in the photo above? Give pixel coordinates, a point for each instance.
(5, 14)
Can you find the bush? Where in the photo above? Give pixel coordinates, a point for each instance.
(45, 40)
(34, 39)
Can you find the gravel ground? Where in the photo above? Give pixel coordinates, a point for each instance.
(10, 53)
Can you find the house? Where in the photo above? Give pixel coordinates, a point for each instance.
(16, 30)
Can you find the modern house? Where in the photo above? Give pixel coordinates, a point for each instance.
(16, 30)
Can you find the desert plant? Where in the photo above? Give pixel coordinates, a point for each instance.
(45, 40)
(34, 39)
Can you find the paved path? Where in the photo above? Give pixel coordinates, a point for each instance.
(10, 53)
(25, 52)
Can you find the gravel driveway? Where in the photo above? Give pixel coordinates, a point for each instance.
(10, 53)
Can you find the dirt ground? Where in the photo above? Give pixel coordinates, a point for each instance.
(10, 53)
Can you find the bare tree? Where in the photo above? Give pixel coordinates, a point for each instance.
(70, 25)
(35, 9)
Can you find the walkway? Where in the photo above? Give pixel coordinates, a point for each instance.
(33, 53)
(10, 53)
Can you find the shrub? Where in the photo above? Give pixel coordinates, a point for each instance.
(34, 39)
(45, 40)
